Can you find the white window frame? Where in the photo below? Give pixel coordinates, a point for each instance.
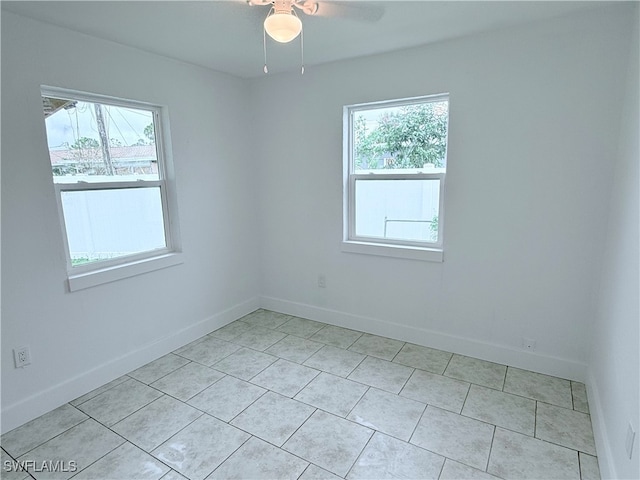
(352, 243)
(104, 271)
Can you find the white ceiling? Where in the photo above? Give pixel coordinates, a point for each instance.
(227, 35)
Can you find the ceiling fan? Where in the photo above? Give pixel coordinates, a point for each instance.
(283, 24)
(282, 14)
(310, 7)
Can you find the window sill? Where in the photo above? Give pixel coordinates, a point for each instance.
(396, 251)
(119, 272)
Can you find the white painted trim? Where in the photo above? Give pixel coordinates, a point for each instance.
(93, 278)
(559, 367)
(603, 445)
(46, 400)
(432, 98)
(395, 251)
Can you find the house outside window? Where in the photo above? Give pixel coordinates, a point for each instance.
(111, 175)
(395, 160)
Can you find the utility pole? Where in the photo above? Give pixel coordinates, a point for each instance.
(104, 140)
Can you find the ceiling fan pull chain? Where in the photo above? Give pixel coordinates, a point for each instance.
(264, 47)
(302, 51)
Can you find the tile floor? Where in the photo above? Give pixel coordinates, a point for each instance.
(272, 396)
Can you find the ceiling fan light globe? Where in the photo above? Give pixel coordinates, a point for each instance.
(282, 27)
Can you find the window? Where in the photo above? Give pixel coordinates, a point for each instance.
(110, 173)
(395, 163)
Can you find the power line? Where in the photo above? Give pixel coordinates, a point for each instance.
(116, 125)
(132, 128)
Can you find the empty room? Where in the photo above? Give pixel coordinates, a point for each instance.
(300, 239)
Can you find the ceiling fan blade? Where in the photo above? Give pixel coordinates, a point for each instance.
(310, 7)
(358, 11)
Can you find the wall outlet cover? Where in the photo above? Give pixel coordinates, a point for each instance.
(22, 356)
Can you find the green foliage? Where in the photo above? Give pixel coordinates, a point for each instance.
(365, 146)
(80, 261)
(85, 143)
(85, 153)
(150, 133)
(85, 157)
(407, 137)
(433, 227)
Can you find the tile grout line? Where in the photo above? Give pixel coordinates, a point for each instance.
(195, 394)
(444, 462)
(360, 453)
(535, 421)
(15, 458)
(504, 378)
(162, 376)
(301, 458)
(580, 466)
(447, 365)
(126, 440)
(364, 357)
(100, 458)
(416, 426)
(97, 388)
(266, 390)
(493, 437)
(398, 352)
(226, 458)
(49, 439)
(404, 384)
(466, 397)
(276, 446)
(253, 350)
(356, 404)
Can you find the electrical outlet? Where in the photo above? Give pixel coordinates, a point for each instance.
(322, 281)
(529, 344)
(22, 356)
(631, 436)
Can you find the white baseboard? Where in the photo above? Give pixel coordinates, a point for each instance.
(558, 367)
(44, 401)
(603, 448)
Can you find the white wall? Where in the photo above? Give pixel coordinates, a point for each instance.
(614, 361)
(83, 339)
(534, 118)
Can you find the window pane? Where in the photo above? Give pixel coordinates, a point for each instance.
(397, 209)
(93, 142)
(401, 137)
(105, 224)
